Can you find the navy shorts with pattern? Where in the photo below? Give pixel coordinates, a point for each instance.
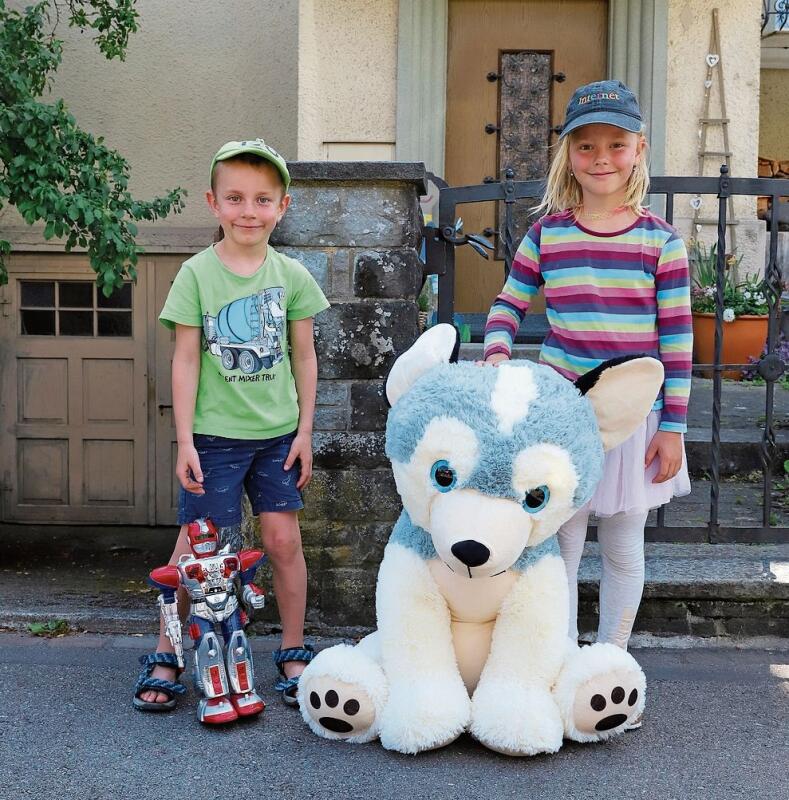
(230, 465)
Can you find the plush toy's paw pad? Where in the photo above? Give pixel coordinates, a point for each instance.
(600, 692)
(599, 712)
(342, 709)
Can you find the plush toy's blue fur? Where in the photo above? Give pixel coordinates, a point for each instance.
(415, 538)
(559, 415)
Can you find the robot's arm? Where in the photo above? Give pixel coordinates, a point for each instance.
(252, 595)
(166, 580)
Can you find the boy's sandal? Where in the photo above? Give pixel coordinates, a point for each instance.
(289, 686)
(146, 683)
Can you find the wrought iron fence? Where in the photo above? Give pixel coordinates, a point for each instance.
(775, 17)
(442, 241)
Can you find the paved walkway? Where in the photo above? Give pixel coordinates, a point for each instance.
(715, 729)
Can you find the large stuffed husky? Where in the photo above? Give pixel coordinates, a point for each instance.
(472, 598)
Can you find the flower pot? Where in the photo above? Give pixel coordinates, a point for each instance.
(743, 337)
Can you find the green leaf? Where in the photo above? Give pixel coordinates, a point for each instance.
(50, 628)
(51, 168)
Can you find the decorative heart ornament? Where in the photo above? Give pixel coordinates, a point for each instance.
(698, 228)
(707, 84)
(695, 203)
(712, 59)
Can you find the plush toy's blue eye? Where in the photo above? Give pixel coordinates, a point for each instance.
(536, 499)
(443, 476)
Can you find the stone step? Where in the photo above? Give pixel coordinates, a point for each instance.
(705, 590)
(739, 506)
(473, 351)
(95, 579)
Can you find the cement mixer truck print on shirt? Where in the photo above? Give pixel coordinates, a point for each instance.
(246, 388)
(247, 334)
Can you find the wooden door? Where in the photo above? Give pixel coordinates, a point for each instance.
(162, 341)
(73, 395)
(573, 33)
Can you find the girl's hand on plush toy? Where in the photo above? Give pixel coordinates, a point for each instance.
(667, 447)
(493, 360)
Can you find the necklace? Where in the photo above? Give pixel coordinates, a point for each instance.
(580, 213)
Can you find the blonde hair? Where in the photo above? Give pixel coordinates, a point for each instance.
(563, 192)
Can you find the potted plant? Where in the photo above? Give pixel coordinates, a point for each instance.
(745, 311)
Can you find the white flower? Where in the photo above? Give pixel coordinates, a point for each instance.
(728, 315)
(746, 295)
(710, 291)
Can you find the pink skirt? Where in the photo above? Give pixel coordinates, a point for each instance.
(626, 487)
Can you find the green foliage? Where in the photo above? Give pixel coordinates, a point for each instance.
(50, 628)
(51, 170)
(739, 297)
(423, 298)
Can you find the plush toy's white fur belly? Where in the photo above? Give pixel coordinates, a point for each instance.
(473, 605)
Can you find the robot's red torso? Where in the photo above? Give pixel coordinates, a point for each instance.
(210, 581)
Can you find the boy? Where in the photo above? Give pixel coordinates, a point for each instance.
(243, 406)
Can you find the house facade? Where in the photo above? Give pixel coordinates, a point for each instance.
(85, 405)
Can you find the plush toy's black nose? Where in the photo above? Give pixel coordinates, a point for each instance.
(470, 553)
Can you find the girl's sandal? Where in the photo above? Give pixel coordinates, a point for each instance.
(636, 723)
(289, 686)
(146, 683)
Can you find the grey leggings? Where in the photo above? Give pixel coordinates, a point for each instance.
(621, 539)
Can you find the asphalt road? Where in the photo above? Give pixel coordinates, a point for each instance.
(716, 727)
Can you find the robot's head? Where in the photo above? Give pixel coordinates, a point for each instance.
(203, 538)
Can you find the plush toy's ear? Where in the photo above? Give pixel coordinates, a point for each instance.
(622, 391)
(437, 345)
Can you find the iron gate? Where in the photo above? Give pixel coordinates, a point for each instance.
(442, 240)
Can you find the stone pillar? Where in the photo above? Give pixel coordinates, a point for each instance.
(356, 226)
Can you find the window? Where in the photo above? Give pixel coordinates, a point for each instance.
(73, 308)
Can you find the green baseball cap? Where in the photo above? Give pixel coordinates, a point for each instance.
(257, 147)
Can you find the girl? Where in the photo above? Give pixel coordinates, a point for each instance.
(616, 283)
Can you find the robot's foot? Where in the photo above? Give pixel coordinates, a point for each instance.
(600, 692)
(341, 694)
(247, 704)
(216, 711)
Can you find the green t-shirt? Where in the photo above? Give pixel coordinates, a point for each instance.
(246, 388)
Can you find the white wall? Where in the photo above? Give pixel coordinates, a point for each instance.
(196, 74)
(347, 79)
(689, 26)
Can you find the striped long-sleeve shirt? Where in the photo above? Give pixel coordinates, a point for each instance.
(606, 295)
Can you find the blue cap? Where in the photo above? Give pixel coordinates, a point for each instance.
(608, 102)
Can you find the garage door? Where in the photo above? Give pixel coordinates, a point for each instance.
(74, 395)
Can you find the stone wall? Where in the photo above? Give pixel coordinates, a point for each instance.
(356, 226)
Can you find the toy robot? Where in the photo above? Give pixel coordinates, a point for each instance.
(213, 579)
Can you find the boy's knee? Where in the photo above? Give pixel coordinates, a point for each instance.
(281, 539)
